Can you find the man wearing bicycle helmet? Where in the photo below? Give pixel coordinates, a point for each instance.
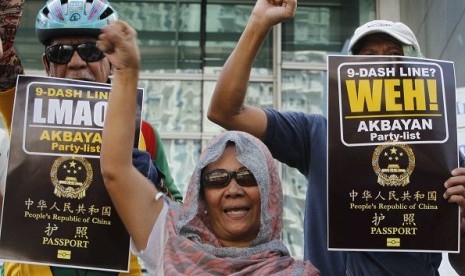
(68, 30)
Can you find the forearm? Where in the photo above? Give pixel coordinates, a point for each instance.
(132, 193)
(228, 98)
(227, 107)
(119, 129)
(128, 189)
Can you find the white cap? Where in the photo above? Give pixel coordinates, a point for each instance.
(399, 31)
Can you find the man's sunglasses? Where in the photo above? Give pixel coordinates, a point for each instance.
(62, 53)
(220, 178)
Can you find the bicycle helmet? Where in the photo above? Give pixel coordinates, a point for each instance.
(73, 17)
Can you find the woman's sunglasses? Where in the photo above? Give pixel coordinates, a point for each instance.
(220, 178)
(62, 53)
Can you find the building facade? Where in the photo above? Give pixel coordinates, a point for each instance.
(184, 44)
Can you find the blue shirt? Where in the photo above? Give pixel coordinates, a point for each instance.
(299, 140)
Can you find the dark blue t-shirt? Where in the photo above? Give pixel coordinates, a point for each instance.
(299, 140)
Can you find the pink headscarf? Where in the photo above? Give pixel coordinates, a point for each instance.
(193, 249)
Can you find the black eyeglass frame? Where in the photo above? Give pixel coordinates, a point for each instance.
(62, 53)
(248, 182)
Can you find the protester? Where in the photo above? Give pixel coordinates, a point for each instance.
(70, 52)
(231, 220)
(300, 139)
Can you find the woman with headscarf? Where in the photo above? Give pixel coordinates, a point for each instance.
(231, 219)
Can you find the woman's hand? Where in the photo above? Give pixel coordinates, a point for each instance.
(119, 43)
(272, 12)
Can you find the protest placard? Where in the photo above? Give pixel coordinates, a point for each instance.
(392, 142)
(56, 210)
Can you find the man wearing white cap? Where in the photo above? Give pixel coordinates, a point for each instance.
(382, 37)
(299, 139)
(386, 33)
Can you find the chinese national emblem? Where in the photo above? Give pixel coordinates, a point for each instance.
(71, 176)
(393, 164)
